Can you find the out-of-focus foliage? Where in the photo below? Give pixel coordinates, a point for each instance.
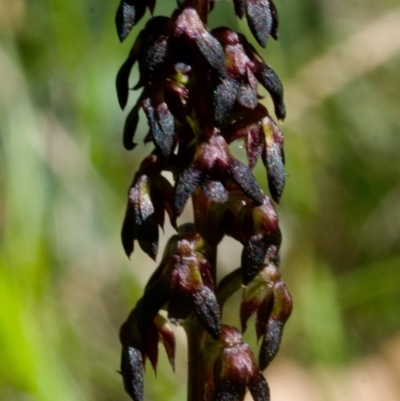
(65, 283)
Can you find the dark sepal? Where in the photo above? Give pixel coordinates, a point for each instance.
(270, 343)
(131, 123)
(270, 81)
(226, 390)
(189, 26)
(147, 236)
(153, 299)
(140, 216)
(155, 49)
(247, 96)
(128, 236)
(259, 18)
(253, 256)
(208, 311)
(244, 178)
(240, 7)
(128, 14)
(224, 99)
(259, 388)
(122, 81)
(150, 346)
(273, 158)
(275, 20)
(132, 372)
(274, 328)
(162, 125)
(215, 191)
(185, 185)
(212, 50)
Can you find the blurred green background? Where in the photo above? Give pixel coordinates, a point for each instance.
(65, 283)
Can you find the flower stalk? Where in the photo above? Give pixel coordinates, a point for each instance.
(199, 94)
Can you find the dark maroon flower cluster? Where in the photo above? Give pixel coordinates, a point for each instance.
(199, 94)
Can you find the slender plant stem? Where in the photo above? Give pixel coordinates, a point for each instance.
(196, 362)
(194, 330)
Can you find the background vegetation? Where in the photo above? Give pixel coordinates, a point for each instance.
(65, 284)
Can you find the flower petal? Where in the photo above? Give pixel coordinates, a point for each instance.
(132, 372)
(244, 178)
(208, 311)
(225, 96)
(162, 125)
(270, 81)
(274, 329)
(273, 158)
(185, 185)
(215, 191)
(147, 236)
(131, 123)
(212, 50)
(167, 338)
(128, 14)
(253, 256)
(258, 387)
(260, 20)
